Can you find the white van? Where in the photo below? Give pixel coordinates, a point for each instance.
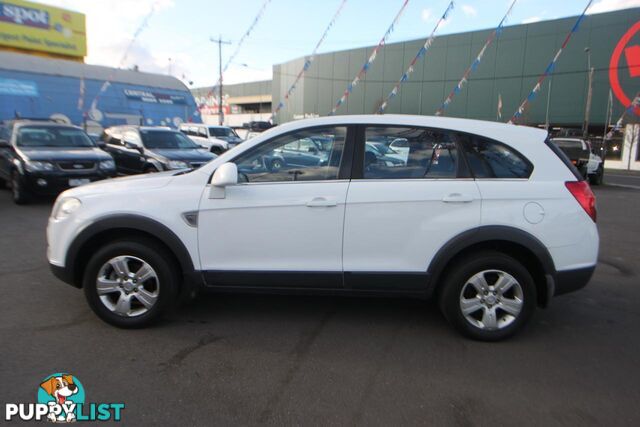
(217, 139)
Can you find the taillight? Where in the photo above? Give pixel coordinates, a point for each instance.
(583, 194)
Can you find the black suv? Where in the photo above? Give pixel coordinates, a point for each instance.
(145, 149)
(39, 157)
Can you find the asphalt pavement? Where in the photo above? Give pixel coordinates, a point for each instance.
(249, 360)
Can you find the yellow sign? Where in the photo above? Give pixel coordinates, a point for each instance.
(36, 27)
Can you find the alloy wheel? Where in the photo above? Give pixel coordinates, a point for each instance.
(491, 299)
(127, 286)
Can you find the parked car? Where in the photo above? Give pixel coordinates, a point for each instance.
(383, 154)
(146, 149)
(466, 220)
(595, 167)
(39, 157)
(577, 150)
(217, 139)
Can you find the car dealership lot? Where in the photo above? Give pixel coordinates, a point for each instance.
(322, 360)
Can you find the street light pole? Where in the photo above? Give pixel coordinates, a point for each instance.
(220, 43)
(587, 108)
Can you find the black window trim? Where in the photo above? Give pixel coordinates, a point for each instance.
(357, 170)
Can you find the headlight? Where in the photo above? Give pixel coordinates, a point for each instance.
(38, 166)
(65, 207)
(107, 164)
(177, 164)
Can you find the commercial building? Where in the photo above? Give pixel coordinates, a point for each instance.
(42, 74)
(241, 103)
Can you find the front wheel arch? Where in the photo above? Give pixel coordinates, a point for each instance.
(115, 227)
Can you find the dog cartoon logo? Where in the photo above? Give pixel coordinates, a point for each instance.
(62, 392)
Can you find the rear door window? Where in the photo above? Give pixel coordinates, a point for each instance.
(409, 153)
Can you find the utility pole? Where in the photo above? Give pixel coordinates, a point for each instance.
(587, 107)
(220, 43)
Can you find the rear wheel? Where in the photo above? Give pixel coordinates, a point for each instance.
(21, 195)
(150, 169)
(216, 150)
(130, 284)
(488, 296)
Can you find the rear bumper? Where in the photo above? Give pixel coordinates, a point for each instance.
(571, 280)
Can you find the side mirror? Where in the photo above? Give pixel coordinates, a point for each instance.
(4, 143)
(224, 176)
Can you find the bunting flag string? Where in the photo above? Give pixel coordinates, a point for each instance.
(520, 111)
(372, 58)
(235, 52)
(308, 61)
(143, 25)
(476, 62)
(421, 53)
(634, 104)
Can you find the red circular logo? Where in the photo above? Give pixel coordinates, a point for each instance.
(632, 54)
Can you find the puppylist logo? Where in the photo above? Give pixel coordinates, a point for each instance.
(61, 399)
(24, 15)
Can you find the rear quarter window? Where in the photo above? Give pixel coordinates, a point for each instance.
(491, 159)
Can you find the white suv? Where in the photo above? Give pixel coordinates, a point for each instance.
(217, 139)
(491, 219)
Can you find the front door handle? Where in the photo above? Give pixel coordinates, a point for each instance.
(457, 198)
(321, 202)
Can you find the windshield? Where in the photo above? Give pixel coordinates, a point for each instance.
(222, 132)
(166, 139)
(53, 136)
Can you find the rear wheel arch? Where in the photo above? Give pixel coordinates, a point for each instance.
(518, 244)
(125, 227)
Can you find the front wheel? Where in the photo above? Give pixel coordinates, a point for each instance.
(488, 296)
(130, 284)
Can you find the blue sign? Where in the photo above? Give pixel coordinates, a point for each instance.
(18, 87)
(26, 16)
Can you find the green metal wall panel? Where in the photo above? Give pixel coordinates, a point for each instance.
(510, 68)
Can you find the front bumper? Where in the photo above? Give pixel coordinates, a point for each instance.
(571, 280)
(63, 273)
(56, 183)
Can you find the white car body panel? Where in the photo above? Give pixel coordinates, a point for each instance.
(399, 225)
(270, 227)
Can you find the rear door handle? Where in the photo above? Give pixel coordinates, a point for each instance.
(457, 198)
(318, 202)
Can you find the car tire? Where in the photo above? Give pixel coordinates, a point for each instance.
(150, 169)
(21, 195)
(216, 150)
(598, 177)
(490, 314)
(131, 303)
